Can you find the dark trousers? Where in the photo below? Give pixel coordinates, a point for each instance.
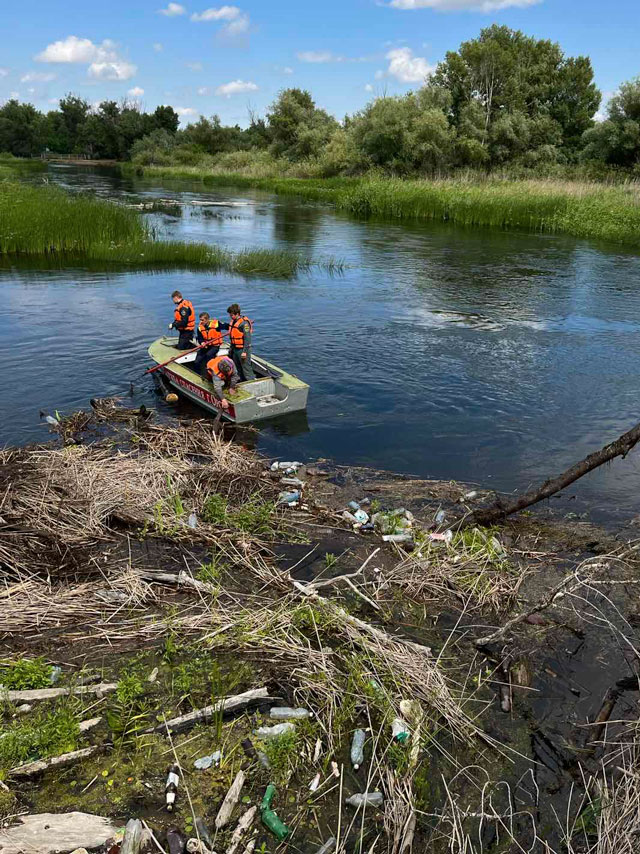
(244, 368)
(203, 356)
(185, 340)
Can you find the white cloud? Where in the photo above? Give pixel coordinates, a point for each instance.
(37, 76)
(118, 69)
(224, 13)
(136, 92)
(368, 87)
(238, 26)
(73, 49)
(172, 10)
(158, 47)
(315, 56)
(103, 59)
(52, 101)
(235, 87)
(194, 66)
(204, 90)
(287, 70)
(379, 74)
(185, 111)
(406, 67)
(462, 5)
(4, 72)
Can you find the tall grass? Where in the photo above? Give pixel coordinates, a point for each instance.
(583, 209)
(46, 221)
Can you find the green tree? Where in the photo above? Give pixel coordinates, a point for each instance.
(617, 140)
(22, 129)
(297, 127)
(166, 118)
(74, 112)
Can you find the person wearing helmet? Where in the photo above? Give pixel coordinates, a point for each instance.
(223, 376)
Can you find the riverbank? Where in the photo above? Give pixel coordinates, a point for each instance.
(45, 222)
(582, 209)
(171, 576)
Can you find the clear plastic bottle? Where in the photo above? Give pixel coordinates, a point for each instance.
(369, 799)
(329, 846)
(192, 521)
(400, 730)
(284, 713)
(267, 732)
(357, 748)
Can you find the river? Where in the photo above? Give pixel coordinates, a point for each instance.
(478, 355)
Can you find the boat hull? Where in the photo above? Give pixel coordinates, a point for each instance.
(274, 392)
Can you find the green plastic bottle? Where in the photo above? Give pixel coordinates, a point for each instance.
(269, 817)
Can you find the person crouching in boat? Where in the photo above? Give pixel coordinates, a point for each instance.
(240, 333)
(224, 377)
(184, 320)
(210, 338)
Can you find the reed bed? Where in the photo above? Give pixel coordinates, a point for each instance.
(46, 221)
(582, 209)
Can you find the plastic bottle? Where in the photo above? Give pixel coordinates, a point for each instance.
(192, 521)
(267, 732)
(269, 817)
(283, 713)
(171, 789)
(400, 730)
(203, 833)
(397, 538)
(54, 676)
(360, 514)
(357, 748)
(175, 841)
(328, 847)
(131, 839)
(207, 761)
(440, 516)
(369, 799)
(285, 466)
(288, 498)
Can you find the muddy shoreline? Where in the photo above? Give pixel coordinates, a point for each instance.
(514, 744)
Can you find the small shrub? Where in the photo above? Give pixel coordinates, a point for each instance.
(26, 673)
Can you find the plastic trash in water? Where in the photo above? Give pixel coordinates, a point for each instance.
(293, 481)
(329, 846)
(207, 761)
(468, 496)
(283, 713)
(203, 833)
(192, 521)
(436, 537)
(270, 818)
(313, 785)
(289, 498)
(56, 673)
(368, 799)
(361, 516)
(397, 538)
(348, 516)
(357, 748)
(294, 466)
(175, 841)
(400, 730)
(267, 732)
(171, 789)
(440, 517)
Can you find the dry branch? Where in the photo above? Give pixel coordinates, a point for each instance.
(31, 768)
(31, 694)
(225, 706)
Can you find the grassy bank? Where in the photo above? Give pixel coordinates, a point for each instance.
(44, 221)
(582, 209)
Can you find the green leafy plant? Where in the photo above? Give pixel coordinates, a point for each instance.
(330, 560)
(128, 712)
(25, 673)
(43, 734)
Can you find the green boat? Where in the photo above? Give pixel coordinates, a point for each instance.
(274, 391)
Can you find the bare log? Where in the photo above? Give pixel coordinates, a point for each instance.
(231, 799)
(181, 579)
(225, 706)
(500, 509)
(32, 694)
(31, 768)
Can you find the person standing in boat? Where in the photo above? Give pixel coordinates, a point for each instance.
(240, 333)
(184, 320)
(223, 376)
(208, 334)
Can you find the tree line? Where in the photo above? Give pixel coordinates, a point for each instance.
(502, 99)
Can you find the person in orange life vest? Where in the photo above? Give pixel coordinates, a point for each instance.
(184, 320)
(240, 334)
(223, 375)
(208, 333)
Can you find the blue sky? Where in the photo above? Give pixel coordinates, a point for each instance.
(235, 56)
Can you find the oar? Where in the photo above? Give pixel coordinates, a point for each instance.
(173, 358)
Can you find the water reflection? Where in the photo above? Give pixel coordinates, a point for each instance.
(491, 357)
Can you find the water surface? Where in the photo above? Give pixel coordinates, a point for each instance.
(478, 355)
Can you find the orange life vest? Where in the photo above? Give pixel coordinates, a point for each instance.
(236, 334)
(191, 322)
(213, 367)
(210, 333)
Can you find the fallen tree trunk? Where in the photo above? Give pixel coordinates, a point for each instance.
(225, 706)
(31, 768)
(32, 694)
(500, 509)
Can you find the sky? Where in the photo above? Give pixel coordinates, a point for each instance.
(233, 59)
